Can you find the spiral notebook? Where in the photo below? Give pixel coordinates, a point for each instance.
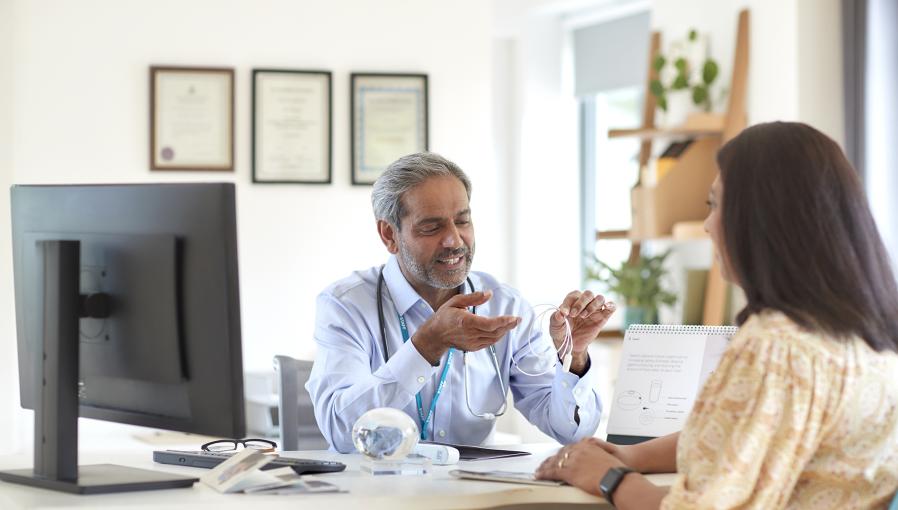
(662, 369)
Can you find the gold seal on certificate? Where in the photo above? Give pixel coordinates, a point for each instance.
(291, 126)
(389, 120)
(191, 118)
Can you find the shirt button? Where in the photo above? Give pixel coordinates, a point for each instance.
(573, 422)
(564, 384)
(421, 379)
(576, 391)
(442, 433)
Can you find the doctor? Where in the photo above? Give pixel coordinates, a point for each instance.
(425, 335)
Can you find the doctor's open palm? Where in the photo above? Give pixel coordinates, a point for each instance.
(453, 325)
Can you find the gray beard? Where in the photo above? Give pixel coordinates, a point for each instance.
(423, 274)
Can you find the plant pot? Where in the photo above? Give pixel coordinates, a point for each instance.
(679, 106)
(639, 315)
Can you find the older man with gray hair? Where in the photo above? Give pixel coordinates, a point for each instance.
(426, 335)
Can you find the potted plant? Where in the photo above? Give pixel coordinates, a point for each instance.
(685, 73)
(639, 285)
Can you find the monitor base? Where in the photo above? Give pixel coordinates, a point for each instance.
(102, 479)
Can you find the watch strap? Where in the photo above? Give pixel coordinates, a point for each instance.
(611, 481)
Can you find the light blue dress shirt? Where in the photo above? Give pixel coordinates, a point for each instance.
(350, 377)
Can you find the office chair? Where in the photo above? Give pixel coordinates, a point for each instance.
(296, 416)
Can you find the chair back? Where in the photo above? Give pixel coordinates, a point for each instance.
(296, 414)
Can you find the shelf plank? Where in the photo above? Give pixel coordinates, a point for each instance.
(682, 231)
(652, 133)
(612, 234)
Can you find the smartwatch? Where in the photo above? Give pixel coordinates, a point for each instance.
(612, 480)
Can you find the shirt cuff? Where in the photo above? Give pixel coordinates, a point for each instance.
(409, 368)
(578, 393)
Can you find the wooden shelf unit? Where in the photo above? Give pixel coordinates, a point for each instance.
(677, 198)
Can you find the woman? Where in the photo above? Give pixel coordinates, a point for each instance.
(802, 411)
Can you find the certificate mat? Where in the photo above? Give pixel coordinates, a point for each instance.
(291, 126)
(662, 369)
(389, 120)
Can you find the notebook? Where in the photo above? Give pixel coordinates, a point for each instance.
(662, 369)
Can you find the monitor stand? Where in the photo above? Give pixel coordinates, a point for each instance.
(56, 396)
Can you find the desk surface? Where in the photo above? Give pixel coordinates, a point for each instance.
(437, 490)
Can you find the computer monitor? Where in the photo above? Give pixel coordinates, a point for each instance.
(127, 310)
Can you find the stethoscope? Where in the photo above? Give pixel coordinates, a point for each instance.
(492, 349)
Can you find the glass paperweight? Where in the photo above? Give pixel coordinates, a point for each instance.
(386, 437)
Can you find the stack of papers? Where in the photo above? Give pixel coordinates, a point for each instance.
(241, 473)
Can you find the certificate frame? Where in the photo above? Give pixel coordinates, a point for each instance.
(192, 118)
(291, 126)
(389, 118)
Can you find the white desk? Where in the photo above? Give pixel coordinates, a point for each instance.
(438, 490)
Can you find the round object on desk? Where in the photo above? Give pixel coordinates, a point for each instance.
(385, 434)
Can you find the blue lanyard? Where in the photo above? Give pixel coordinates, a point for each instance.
(433, 404)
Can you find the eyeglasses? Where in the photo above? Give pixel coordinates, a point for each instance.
(224, 445)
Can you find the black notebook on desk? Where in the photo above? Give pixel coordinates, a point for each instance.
(469, 452)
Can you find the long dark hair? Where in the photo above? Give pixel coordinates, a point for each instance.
(799, 235)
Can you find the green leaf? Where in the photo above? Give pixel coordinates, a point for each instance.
(662, 103)
(656, 88)
(659, 62)
(682, 65)
(637, 284)
(680, 82)
(709, 71)
(699, 94)
(693, 35)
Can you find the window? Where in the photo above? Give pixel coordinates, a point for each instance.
(610, 169)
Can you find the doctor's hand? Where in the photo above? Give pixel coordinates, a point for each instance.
(587, 314)
(453, 325)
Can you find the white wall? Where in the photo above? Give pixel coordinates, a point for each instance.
(80, 89)
(9, 428)
(821, 98)
(544, 192)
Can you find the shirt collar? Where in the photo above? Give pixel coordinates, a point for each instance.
(401, 291)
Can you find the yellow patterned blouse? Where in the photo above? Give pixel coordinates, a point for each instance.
(791, 419)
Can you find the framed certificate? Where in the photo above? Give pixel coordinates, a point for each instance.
(191, 118)
(389, 120)
(291, 126)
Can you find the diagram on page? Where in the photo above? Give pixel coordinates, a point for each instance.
(657, 383)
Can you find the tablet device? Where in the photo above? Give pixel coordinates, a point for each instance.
(503, 476)
(469, 452)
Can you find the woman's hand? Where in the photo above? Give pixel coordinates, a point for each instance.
(581, 464)
(626, 454)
